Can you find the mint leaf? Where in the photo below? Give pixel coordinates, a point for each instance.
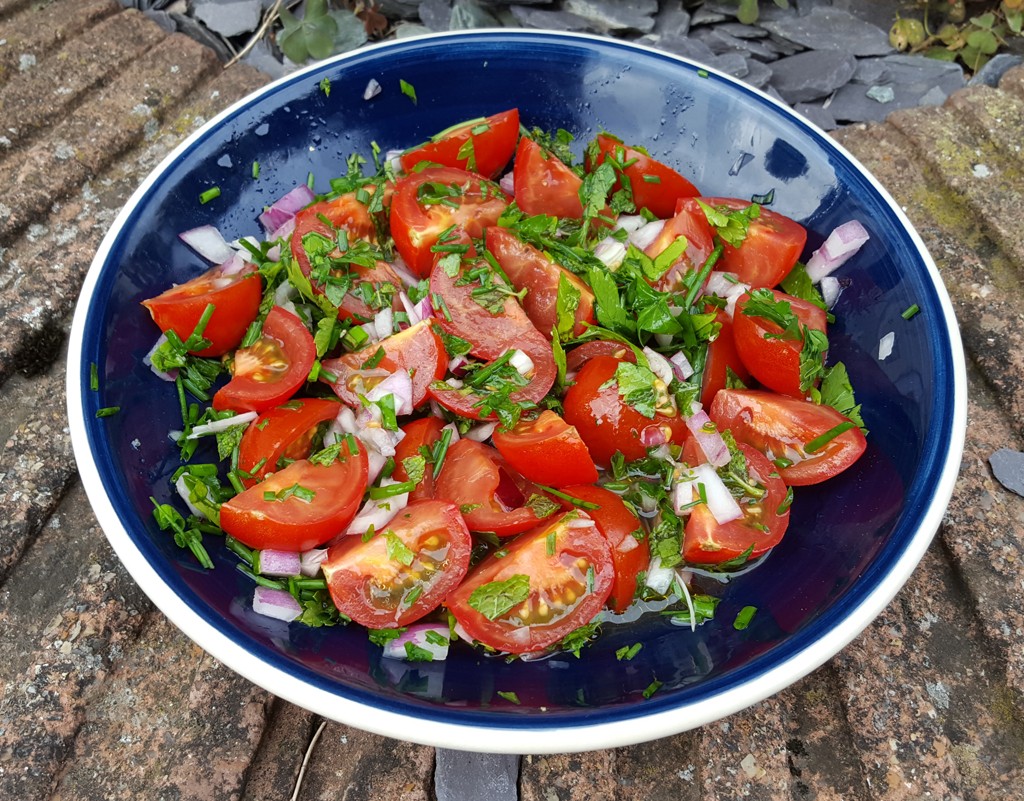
(837, 392)
(636, 387)
(496, 598)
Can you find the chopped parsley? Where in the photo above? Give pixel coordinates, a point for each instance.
(497, 598)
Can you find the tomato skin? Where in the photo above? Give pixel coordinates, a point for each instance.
(422, 432)
(773, 244)
(492, 148)
(579, 355)
(691, 222)
(282, 431)
(476, 475)
(772, 361)
(722, 356)
(547, 450)
(706, 541)
(416, 227)
(544, 184)
(526, 267)
(356, 570)
(553, 579)
(179, 308)
(293, 524)
(659, 196)
(256, 385)
(779, 426)
(605, 422)
(616, 523)
(417, 350)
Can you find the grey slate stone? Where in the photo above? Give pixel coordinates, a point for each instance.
(816, 114)
(684, 46)
(672, 18)
(994, 69)
(758, 74)
(550, 20)
(229, 17)
(722, 42)
(914, 81)
(436, 14)
(468, 14)
(464, 776)
(812, 75)
(399, 9)
(616, 16)
(705, 16)
(741, 31)
(831, 28)
(1008, 468)
(732, 64)
(871, 71)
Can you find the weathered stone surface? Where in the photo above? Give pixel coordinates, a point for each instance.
(615, 16)
(550, 20)
(832, 28)
(812, 75)
(29, 37)
(230, 18)
(1008, 468)
(459, 776)
(913, 81)
(994, 69)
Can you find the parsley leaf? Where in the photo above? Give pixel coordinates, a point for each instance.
(731, 225)
(397, 550)
(636, 387)
(837, 392)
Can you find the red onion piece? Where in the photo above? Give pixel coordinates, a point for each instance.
(830, 290)
(402, 271)
(217, 426)
(378, 512)
(839, 246)
(278, 604)
(208, 242)
(659, 365)
(681, 367)
(522, 362)
(682, 493)
(399, 386)
(311, 560)
(611, 252)
(652, 436)
(373, 88)
(721, 504)
(418, 636)
(508, 184)
(627, 544)
(644, 236)
(659, 578)
(148, 360)
(481, 432)
(710, 441)
(280, 563)
(885, 346)
(186, 496)
(630, 222)
(285, 207)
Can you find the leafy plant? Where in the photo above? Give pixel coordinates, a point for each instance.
(971, 39)
(749, 11)
(319, 33)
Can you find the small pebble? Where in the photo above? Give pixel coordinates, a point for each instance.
(1008, 468)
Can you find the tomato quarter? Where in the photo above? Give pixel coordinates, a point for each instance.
(544, 184)
(547, 450)
(420, 433)
(282, 432)
(654, 185)
(482, 146)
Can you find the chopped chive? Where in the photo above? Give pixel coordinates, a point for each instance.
(210, 194)
(582, 504)
(744, 617)
(309, 179)
(509, 696)
(786, 502)
(822, 440)
(441, 450)
(94, 377)
(627, 652)
(255, 169)
(391, 490)
(910, 311)
(652, 688)
(703, 73)
(652, 179)
(108, 411)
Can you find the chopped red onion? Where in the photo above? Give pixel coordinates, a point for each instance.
(721, 504)
(456, 363)
(644, 236)
(394, 158)
(684, 577)
(399, 386)
(581, 522)
(508, 184)
(148, 360)
(830, 290)
(378, 512)
(280, 563)
(707, 435)
(285, 208)
(481, 432)
(384, 322)
(243, 251)
(274, 254)
(418, 636)
(522, 362)
(720, 283)
(278, 604)
(652, 435)
(186, 496)
(402, 271)
(208, 242)
(372, 89)
(659, 365)
(839, 246)
(682, 492)
(885, 346)
(310, 561)
(659, 578)
(217, 426)
(630, 222)
(611, 252)
(681, 367)
(283, 231)
(232, 266)
(627, 544)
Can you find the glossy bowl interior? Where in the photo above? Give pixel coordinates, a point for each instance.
(852, 541)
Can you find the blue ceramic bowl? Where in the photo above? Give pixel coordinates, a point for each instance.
(852, 542)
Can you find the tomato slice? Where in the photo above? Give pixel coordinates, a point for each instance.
(618, 525)
(282, 432)
(654, 185)
(417, 350)
(554, 579)
(269, 372)
(781, 427)
(429, 202)
(420, 433)
(578, 356)
(482, 146)
(403, 572)
(722, 356)
(547, 450)
(528, 268)
(544, 184)
(236, 300)
(771, 248)
(764, 520)
(689, 221)
(489, 493)
(316, 503)
(607, 423)
(774, 361)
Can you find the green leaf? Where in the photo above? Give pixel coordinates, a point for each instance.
(748, 12)
(496, 598)
(566, 304)
(837, 392)
(397, 550)
(798, 284)
(983, 41)
(636, 387)
(408, 90)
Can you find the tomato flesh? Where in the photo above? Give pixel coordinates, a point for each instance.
(420, 433)
(654, 186)
(380, 590)
(294, 522)
(483, 146)
(568, 573)
(236, 302)
(722, 356)
(544, 184)
(689, 222)
(781, 427)
(269, 372)
(282, 432)
(547, 450)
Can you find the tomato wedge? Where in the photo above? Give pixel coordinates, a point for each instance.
(483, 145)
(765, 519)
(654, 185)
(722, 356)
(236, 300)
(429, 202)
(269, 372)
(490, 494)
(689, 221)
(548, 582)
(547, 450)
(544, 184)
(618, 525)
(770, 358)
(527, 268)
(417, 350)
(282, 432)
(581, 354)
(771, 248)
(607, 423)
(403, 572)
(300, 507)
(420, 433)
(781, 428)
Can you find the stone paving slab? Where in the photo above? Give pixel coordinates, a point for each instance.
(101, 698)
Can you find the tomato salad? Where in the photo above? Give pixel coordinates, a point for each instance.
(504, 411)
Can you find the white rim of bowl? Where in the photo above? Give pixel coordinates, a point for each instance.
(519, 739)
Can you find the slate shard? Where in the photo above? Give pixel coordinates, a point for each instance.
(812, 75)
(1008, 468)
(465, 776)
(832, 28)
